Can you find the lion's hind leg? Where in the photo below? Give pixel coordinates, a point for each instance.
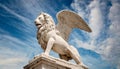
(75, 55)
(78, 59)
(75, 50)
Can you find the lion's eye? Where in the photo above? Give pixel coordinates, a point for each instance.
(39, 17)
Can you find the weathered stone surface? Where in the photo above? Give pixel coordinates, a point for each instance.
(48, 62)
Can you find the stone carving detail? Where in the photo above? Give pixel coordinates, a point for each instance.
(54, 37)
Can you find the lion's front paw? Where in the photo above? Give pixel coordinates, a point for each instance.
(46, 53)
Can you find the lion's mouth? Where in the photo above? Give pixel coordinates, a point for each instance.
(39, 26)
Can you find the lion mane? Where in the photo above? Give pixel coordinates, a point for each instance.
(47, 26)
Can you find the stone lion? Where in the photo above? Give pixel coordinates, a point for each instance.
(51, 36)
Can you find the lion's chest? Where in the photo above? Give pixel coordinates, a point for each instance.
(51, 34)
(46, 36)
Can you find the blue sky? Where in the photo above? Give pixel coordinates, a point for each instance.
(99, 49)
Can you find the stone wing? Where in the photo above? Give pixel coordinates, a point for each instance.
(67, 20)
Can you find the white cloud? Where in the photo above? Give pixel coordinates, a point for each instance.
(76, 6)
(114, 16)
(15, 53)
(85, 45)
(95, 19)
(7, 40)
(110, 47)
(112, 43)
(12, 59)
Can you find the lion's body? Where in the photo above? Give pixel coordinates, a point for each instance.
(60, 45)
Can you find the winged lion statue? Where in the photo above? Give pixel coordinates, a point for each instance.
(55, 37)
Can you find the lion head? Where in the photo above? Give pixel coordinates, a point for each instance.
(44, 19)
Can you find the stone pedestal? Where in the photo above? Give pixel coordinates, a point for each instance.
(48, 62)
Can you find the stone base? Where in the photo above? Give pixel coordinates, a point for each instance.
(48, 62)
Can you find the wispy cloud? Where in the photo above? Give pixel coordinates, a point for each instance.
(80, 7)
(95, 22)
(109, 47)
(16, 53)
(24, 22)
(37, 7)
(95, 19)
(15, 14)
(12, 59)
